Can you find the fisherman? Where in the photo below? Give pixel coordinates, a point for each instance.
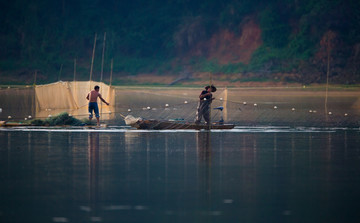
(203, 109)
(92, 97)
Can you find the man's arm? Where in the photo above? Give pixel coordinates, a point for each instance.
(87, 97)
(103, 99)
(201, 96)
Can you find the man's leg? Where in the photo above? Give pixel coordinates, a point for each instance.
(90, 112)
(206, 114)
(96, 110)
(98, 121)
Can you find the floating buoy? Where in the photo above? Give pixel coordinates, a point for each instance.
(8, 87)
(275, 107)
(330, 113)
(154, 109)
(148, 108)
(310, 111)
(49, 116)
(0, 110)
(314, 111)
(221, 99)
(293, 109)
(29, 117)
(70, 115)
(129, 110)
(244, 103)
(25, 119)
(346, 114)
(109, 112)
(166, 105)
(9, 117)
(185, 102)
(255, 105)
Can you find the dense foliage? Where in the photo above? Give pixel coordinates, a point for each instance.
(155, 36)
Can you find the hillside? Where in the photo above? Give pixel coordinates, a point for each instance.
(235, 40)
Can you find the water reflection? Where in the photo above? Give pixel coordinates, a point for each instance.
(93, 153)
(203, 146)
(162, 177)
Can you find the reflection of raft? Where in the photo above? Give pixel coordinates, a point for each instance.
(163, 125)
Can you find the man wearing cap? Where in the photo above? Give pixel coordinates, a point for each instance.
(203, 109)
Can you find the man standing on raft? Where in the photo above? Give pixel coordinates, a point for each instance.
(92, 97)
(203, 109)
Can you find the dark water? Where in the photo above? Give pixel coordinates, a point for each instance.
(256, 175)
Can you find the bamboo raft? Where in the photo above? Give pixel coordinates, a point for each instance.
(163, 125)
(12, 124)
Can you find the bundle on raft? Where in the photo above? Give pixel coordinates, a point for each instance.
(59, 120)
(140, 123)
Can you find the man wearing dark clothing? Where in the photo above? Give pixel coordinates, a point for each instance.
(203, 109)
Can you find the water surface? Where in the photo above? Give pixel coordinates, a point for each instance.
(120, 175)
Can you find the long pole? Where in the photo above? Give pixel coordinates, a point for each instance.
(210, 101)
(102, 70)
(110, 94)
(327, 78)
(74, 69)
(74, 84)
(102, 59)
(111, 70)
(35, 78)
(60, 71)
(225, 104)
(33, 104)
(92, 60)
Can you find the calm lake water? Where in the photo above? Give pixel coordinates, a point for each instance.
(120, 175)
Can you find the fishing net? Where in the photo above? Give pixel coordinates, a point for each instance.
(16, 103)
(245, 106)
(70, 96)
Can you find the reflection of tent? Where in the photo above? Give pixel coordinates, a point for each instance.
(69, 94)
